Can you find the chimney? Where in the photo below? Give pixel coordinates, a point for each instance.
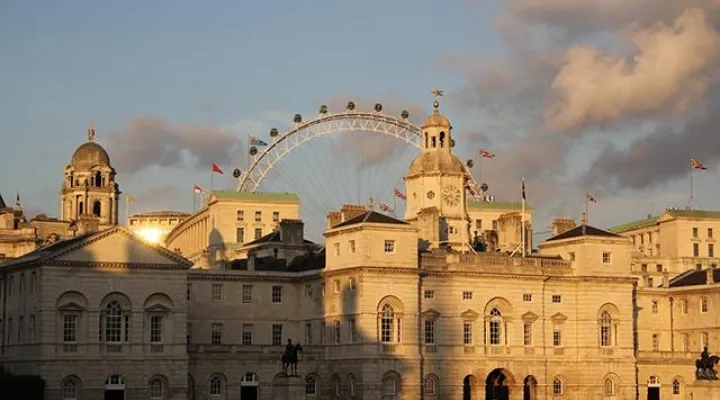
(252, 257)
(334, 218)
(291, 231)
(350, 211)
(87, 224)
(562, 225)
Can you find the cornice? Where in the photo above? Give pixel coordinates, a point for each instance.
(109, 265)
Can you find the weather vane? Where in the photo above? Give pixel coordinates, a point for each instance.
(437, 93)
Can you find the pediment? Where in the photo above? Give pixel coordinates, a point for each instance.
(530, 316)
(469, 315)
(119, 246)
(431, 314)
(157, 308)
(71, 306)
(559, 317)
(665, 216)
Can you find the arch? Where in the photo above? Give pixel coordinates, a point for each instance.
(653, 381)
(558, 386)
(325, 124)
(530, 388)
(611, 308)
(115, 382)
(121, 298)
(158, 387)
(396, 303)
(216, 384)
(250, 379)
(470, 386)
(336, 384)
(391, 383)
(430, 385)
(351, 384)
(312, 385)
(501, 303)
(158, 302)
(677, 385)
(72, 301)
(498, 383)
(97, 208)
(609, 386)
(70, 387)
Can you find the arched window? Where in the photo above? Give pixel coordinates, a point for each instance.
(156, 389)
(430, 386)
(351, 382)
(70, 389)
(605, 329)
(609, 386)
(217, 386)
(336, 384)
(676, 386)
(115, 323)
(387, 324)
(310, 386)
(390, 385)
(495, 327)
(557, 387)
(98, 179)
(97, 208)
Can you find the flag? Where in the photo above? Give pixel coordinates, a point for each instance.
(198, 189)
(129, 199)
(590, 197)
(216, 169)
(523, 189)
(255, 141)
(400, 194)
(486, 153)
(695, 164)
(384, 207)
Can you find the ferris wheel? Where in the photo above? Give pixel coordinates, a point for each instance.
(350, 157)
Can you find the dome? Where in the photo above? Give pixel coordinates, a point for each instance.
(90, 154)
(436, 161)
(436, 119)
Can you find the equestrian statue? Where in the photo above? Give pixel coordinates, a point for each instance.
(290, 358)
(705, 366)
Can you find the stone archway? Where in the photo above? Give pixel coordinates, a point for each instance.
(469, 387)
(497, 385)
(530, 388)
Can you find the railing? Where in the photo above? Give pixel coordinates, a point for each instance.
(488, 261)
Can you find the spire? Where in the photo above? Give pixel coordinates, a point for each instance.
(17, 199)
(91, 133)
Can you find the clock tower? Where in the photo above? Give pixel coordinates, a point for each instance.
(436, 196)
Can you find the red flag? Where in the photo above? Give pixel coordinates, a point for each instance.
(384, 207)
(590, 197)
(198, 189)
(400, 194)
(486, 153)
(216, 169)
(695, 164)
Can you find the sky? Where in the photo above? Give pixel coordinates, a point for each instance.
(577, 96)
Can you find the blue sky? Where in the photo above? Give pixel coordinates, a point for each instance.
(64, 64)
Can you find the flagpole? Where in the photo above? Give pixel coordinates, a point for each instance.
(587, 216)
(690, 202)
(194, 200)
(522, 218)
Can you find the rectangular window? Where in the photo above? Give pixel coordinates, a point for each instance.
(336, 332)
(654, 307)
(695, 232)
(494, 225)
(495, 339)
(277, 334)
(258, 233)
(556, 298)
(527, 333)
(527, 298)
(276, 216)
(247, 294)
(216, 336)
(353, 330)
(607, 257)
(336, 246)
(467, 333)
(258, 216)
(467, 295)
(240, 235)
(643, 267)
(683, 306)
(656, 341)
(429, 294)
(703, 305)
(389, 246)
(711, 250)
(696, 249)
(478, 224)
(351, 284)
(70, 324)
(239, 216)
(710, 233)
(659, 268)
(308, 334)
(557, 337)
(156, 329)
(277, 294)
(308, 290)
(217, 292)
(571, 256)
(429, 332)
(352, 246)
(336, 286)
(247, 334)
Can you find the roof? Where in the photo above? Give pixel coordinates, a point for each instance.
(653, 219)
(583, 230)
(161, 213)
(2, 202)
(631, 226)
(255, 196)
(273, 236)
(497, 205)
(90, 154)
(305, 262)
(694, 214)
(694, 278)
(371, 217)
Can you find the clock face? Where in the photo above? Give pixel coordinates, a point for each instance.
(451, 195)
(430, 195)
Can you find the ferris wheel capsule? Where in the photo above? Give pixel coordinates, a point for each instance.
(273, 132)
(404, 114)
(297, 119)
(350, 106)
(470, 163)
(452, 143)
(236, 173)
(378, 107)
(323, 109)
(484, 187)
(253, 151)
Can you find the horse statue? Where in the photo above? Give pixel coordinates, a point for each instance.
(289, 359)
(705, 366)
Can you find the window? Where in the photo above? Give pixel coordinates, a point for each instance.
(389, 325)
(239, 216)
(352, 330)
(607, 257)
(650, 281)
(609, 387)
(710, 233)
(216, 336)
(494, 225)
(258, 216)
(336, 383)
(527, 298)
(217, 292)
(429, 294)
(571, 256)
(556, 298)
(240, 235)
(247, 295)
(605, 329)
(695, 232)
(495, 329)
(277, 334)
(310, 386)
(390, 386)
(70, 325)
(336, 332)
(351, 284)
(308, 333)
(351, 381)
(643, 267)
(156, 329)
(156, 389)
(69, 390)
(478, 224)
(654, 307)
(676, 383)
(656, 341)
(557, 336)
(703, 304)
(467, 295)
(711, 250)
(696, 249)
(430, 386)
(276, 216)
(247, 334)
(336, 286)
(216, 386)
(659, 268)
(337, 248)
(429, 332)
(557, 387)
(467, 333)
(188, 292)
(116, 323)
(277, 294)
(308, 290)
(389, 246)
(352, 246)
(258, 233)
(527, 333)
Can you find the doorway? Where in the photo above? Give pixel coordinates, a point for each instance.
(249, 386)
(469, 386)
(496, 386)
(530, 388)
(115, 388)
(653, 390)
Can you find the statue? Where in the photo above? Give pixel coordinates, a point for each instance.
(290, 358)
(705, 366)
